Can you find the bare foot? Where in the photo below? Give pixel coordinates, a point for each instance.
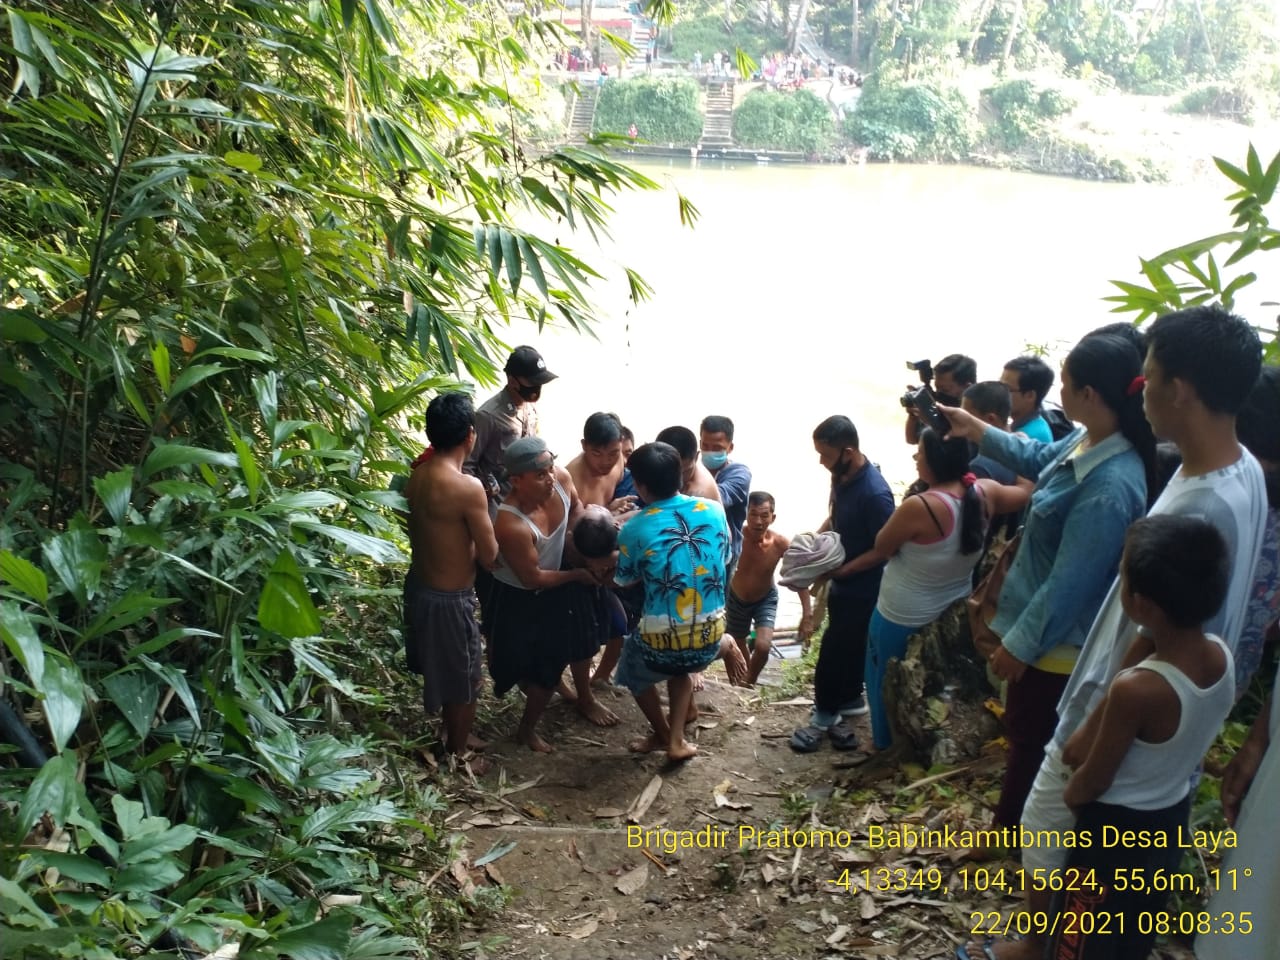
(699, 682)
(476, 744)
(692, 715)
(567, 692)
(597, 712)
(647, 744)
(534, 742)
(1028, 948)
(602, 683)
(681, 752)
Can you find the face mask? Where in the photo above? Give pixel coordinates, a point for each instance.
(840, 468)
(529, 393)
(714, 460)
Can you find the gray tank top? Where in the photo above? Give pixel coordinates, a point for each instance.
(550, 547)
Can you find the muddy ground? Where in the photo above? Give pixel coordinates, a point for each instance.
(554, 829)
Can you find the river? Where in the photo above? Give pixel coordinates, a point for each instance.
(804, 290)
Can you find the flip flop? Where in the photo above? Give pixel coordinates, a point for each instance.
(842, 738)
(807, 739)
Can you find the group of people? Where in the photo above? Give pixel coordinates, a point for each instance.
(1131, 617)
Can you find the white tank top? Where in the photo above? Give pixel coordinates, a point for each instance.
(550, 547)
(922, 579)
(1153, 776)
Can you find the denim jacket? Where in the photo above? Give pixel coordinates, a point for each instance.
(1072, 539)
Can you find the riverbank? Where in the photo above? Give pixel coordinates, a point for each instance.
(1106, 135)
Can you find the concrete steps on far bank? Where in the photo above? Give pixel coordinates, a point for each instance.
(717, 122)
(584, 112)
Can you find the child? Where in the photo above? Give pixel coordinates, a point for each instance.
(1134, 757)
(752, 594)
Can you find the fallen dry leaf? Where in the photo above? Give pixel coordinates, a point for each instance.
(867, 909)
(584, 931)
(491, 870)
(642, 803)
(458, 870)
(536, 811)
(633, 881)
(838, 934)
(827, 917)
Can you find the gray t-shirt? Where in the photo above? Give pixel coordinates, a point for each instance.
(1234, 500)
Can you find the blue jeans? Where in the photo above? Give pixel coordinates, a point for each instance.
(886, 641)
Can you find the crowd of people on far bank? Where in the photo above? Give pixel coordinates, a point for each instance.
(1135, 601)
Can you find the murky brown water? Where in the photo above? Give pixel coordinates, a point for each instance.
(803, 291)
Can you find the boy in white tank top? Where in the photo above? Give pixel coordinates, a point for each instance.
(1134, 756)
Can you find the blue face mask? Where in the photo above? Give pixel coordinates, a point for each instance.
(715, 460)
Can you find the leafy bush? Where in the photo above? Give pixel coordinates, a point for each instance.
(709, 34)
(1022, 109)
(918, 121)
(776, 120)
(664, 109)
(1219, 100)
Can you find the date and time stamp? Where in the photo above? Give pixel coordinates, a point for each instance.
(1086, 889)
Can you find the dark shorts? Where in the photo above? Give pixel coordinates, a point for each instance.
(442, 642)
(739, 616)
(534, 635)
(632, 600)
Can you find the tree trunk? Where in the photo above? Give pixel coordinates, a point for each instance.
(1204, 33)
(586, 9)
(853, 46)
(1011, 35)
(984, 11)
(1156, 16)
(793, 37)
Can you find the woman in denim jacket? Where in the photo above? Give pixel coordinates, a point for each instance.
(1090, 486)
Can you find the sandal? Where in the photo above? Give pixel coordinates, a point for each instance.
(842, 738)
(962, 952)
(807, 739)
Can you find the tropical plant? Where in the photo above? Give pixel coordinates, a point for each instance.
(242, 242)
(912, 121)
(1193, 273)
(664, 109)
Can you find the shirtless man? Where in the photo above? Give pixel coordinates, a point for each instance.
(696, 480)
(450, 534)
(596, 472)
(752, 594)
(533, 636)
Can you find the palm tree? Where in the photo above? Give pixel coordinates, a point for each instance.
(686, 536)
(672, 584)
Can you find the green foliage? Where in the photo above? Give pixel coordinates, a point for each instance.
(709, 33)
(790, 120)
(1191, 274)
(919, 121)
(243, 243)
(1219, 100)
(664, 109)
(1022, 109)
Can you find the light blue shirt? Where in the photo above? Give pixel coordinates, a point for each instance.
(1036, 428)
(678, 548)
(1072, 539)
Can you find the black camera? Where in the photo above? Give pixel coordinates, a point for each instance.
(923, 400)
(922, 367)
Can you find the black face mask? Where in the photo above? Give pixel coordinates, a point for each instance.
(529, 393)
(840, 469)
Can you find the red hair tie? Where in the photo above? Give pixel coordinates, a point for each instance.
(1136, 385)
(969, 479)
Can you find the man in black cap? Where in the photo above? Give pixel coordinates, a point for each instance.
(506, 417)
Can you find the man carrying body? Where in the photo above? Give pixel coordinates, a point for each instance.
(753, 597)
(506, 417)
(1029, 380)
(695, 479)
(450, 533)
(525, 620)
(676, 549)
(1201, 364)
(733, 479)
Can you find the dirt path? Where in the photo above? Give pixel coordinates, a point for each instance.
(582, 890)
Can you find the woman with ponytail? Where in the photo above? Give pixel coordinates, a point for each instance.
(1090, 486)
(932, 542)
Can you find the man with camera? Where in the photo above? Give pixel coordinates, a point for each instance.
(944, 383)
